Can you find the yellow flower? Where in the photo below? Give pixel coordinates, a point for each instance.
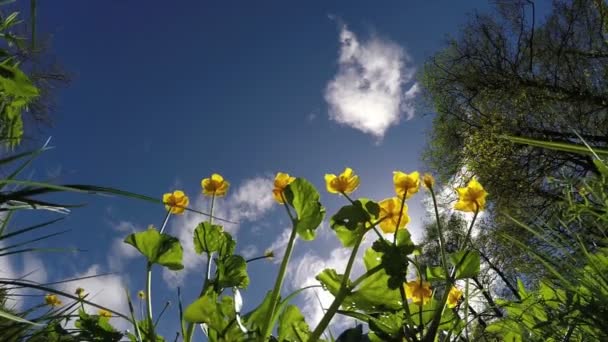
(52, 300)
(176, 202)
(215, 185)
(406, 184)
(428, 180)
(454, 297)
(80, 292)
(418, 291)
(141, 294)
(389, 208)
(346, 182)
(471, 198)
(105, 313)
(280, 183)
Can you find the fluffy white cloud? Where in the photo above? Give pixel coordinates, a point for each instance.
(279, 245)
(246, 203)
(367, 92)
(323, 253)
(107, 290)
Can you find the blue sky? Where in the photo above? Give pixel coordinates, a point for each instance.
(163, 95)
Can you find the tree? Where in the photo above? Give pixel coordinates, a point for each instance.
(508, 74)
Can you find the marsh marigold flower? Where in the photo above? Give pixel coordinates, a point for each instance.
(428, 180)
(389, 208)
(104, 313)
(52, 300)
(406, 184)
(281, 180)
(346, 182)
(454, 297)
(419, 291)
(215, 185)
(471, 198)
(176, 202)
(80, 292)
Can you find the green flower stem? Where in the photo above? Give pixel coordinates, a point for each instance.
(432, 330)
(132, 315)
(444, 259)
(162, 228)
(190, 329)
(257, 258)
(409, 335)
(399, 218)
(342, 293)
(149, 297)
(466, 309)
(276, 291)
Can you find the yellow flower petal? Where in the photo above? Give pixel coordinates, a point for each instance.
(281, 180)
(428, 180)
(418, 291)
(406, 184)
(454, 297)
(176, 202)
(215, 185)
(471, 198)
(346, 182)
(389, 210)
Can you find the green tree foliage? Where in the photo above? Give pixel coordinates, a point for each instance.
(510, 73)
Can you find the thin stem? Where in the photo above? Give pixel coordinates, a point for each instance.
(190, 329)
(432, 330)
(444, 259)
(399, 219)
(161, 313)
(276, 291)
(342, 293)
(466, 308)
(162, 228)
(149, 297)
(258, 258)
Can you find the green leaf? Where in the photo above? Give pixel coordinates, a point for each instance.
(394, 258)
(352, 335)
(292, 325)
(255, 319)
(466, 262)
(435, 273)
(206, 309)
(374, 294)
(350, 222)
(232, 271)
(304, 198)
(158, 248)
(210, 238)
(330, 279)
(601, 167)
(15, 83)
(96, 328)
(9, 316)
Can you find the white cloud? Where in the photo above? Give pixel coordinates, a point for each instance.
(367, 92)
(279, 245)
(302, 273)
(34, 269)
(120, 254)
(249, 252)
(107, 291)
(247, 203)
